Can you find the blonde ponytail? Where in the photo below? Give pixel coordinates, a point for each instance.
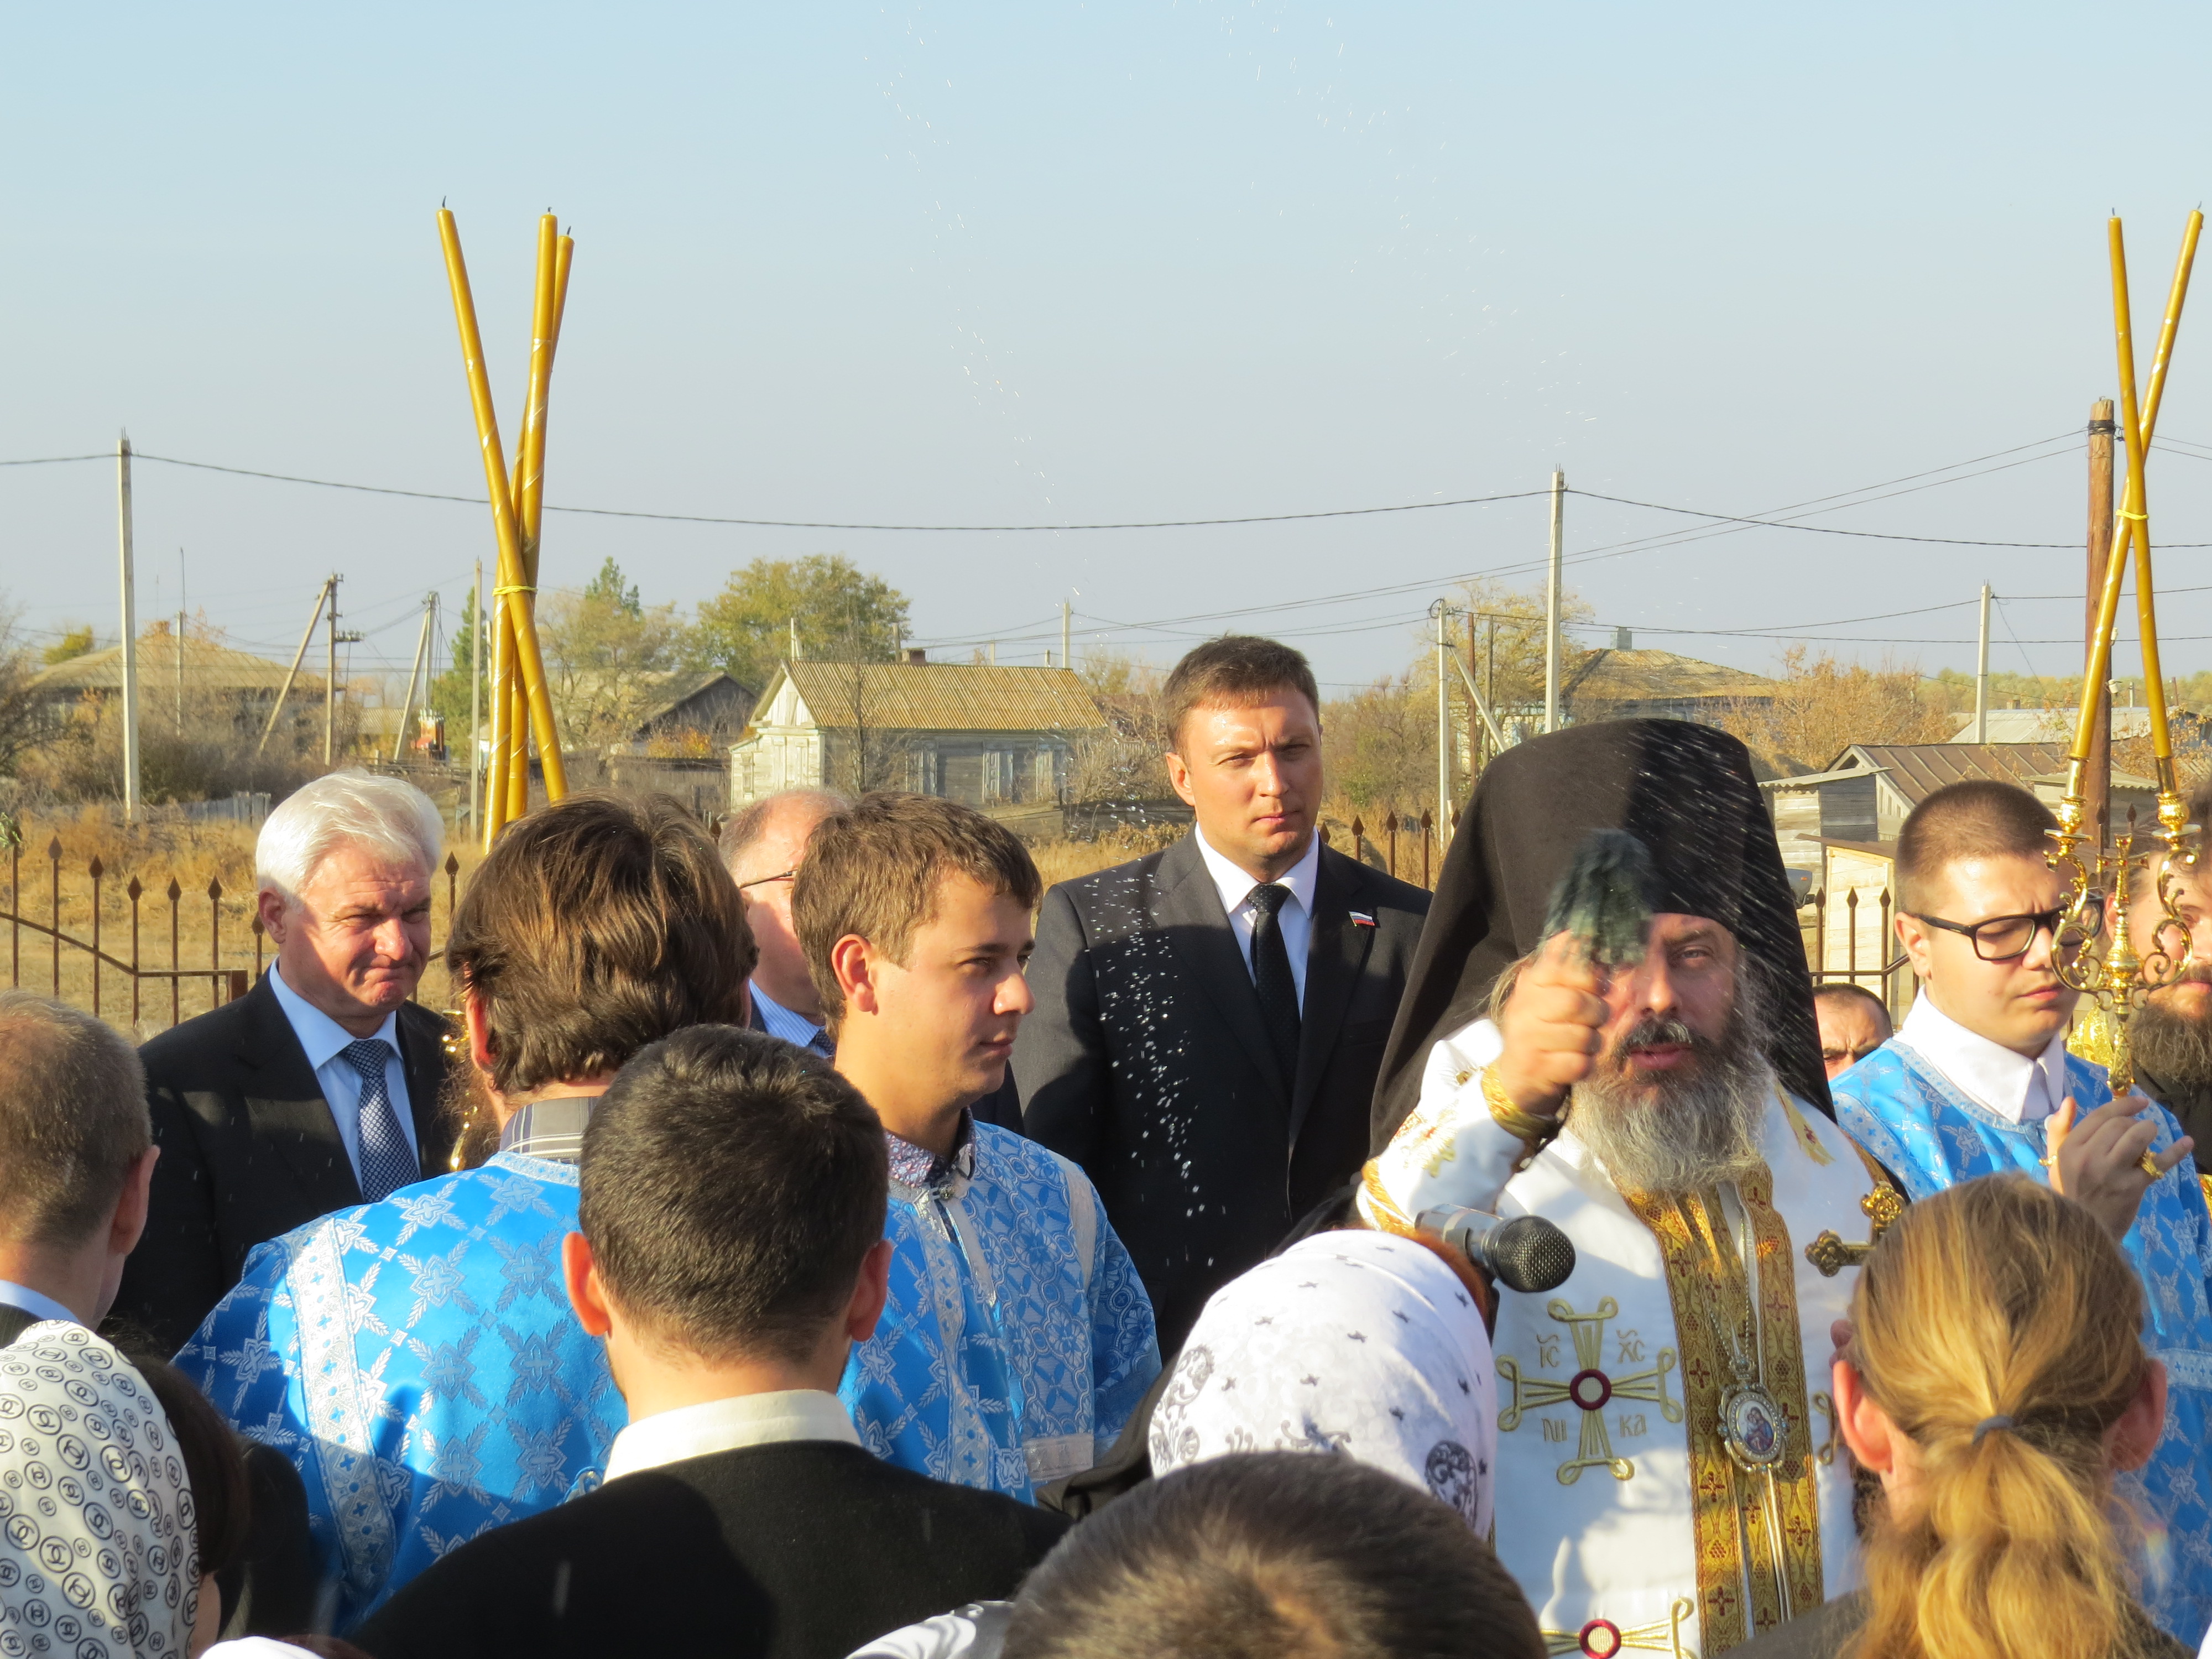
(1997, 1325)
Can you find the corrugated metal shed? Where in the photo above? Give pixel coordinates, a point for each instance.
(940, 696)
(1917, 770)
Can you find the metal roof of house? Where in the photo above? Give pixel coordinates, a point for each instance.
(1917, 770)
(1609, 676)
(2048, 725)
(208, 667)
(940, 697)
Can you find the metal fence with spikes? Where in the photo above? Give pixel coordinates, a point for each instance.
(1395, 824)
(67, 951)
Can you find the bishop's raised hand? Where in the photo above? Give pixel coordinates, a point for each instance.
(1553, 1025)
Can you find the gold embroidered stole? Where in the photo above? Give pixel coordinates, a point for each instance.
(1757, 1535)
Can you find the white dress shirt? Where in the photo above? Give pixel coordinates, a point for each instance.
(13, 1295)
(750, 1420)
(2017, 1088)
(1295, 918)
(796, 1029)
(324, 1039)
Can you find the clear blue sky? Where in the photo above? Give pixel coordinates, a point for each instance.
(1063, 262)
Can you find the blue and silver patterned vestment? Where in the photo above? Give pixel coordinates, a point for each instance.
(1017, 1339)
(418, 1361)
(1931, 1134)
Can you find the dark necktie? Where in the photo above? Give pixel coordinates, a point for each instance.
(1272, 978)
(386, 1166)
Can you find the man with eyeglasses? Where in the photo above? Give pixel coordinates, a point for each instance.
(1978, 1081)
(763, 843)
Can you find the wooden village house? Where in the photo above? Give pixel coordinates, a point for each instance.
(997, 739)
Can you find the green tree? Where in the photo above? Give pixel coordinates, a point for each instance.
(842, 615)
(607, 655)
(607, 590)
(76, 642)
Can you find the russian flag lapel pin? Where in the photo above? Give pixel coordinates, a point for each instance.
(1360, 919)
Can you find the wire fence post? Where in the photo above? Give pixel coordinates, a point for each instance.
(176, 963)
(134, 891)
(95, 869)
(54, 860)
(215, 943)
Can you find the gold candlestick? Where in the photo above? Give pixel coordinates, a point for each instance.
(2102, 964)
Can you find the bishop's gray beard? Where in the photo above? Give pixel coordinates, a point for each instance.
(1671, 1133)
(2172, 1048)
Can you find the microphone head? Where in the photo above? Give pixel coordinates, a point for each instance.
(1529, 1253)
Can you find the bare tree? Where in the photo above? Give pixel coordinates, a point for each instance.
(1822, 706)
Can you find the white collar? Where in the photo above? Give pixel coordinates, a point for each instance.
(323, 1037)
(1992, 1074)
(752, 1420)
(13, 1295)
(1236, 884)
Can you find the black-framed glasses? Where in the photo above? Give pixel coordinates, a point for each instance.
(781, 875)
(2007, 938)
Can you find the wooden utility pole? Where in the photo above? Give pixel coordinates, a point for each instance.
(2097, 795)
(1442, 823)
(130, 632)
(1066, 640)
(1982, 674)
(300, 656)
(330, 683)
(476, 708)
(421, 645)
(1552, 605)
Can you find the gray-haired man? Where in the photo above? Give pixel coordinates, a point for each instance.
(320, 1089)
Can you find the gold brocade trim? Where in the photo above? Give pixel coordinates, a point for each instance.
(1741, 1519)
(1383, 1209)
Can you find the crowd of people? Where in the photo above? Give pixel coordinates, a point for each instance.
(830, 1242)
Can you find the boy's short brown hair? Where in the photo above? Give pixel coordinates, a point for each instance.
(874, 870)
(1235, 672)
(1980, 818)
(597, 925)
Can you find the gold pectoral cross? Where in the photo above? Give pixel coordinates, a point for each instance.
(1831, 1254)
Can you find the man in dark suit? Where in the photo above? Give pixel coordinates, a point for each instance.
(320, 1089)
(1210, 1019)
(733, 1197)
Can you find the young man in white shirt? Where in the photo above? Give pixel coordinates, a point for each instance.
(1979, 1081)
(731, 1252)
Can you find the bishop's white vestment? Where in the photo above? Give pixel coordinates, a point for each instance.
(1670, 1479)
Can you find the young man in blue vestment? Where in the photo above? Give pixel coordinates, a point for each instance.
(1978, 1081)
(1018, 1338)
(418, 1359)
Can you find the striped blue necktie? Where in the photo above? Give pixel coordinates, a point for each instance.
(386, 1164)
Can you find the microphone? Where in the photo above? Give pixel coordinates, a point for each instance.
(1526, 1252)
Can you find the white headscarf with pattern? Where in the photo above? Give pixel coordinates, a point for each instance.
(1353, 1342)
(97, 1555)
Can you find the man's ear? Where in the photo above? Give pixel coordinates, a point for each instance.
(1866, 1427)
(1912, 935)
(1179, 778)
(586, 1294)
(2135, 1435)
(479, 1029)
(870, 1292)
(272, 908)
(854, 964)
(128, 1224)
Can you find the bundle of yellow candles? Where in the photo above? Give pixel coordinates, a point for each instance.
(520, 704)
(2112, 967)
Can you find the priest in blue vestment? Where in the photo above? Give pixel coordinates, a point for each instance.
(1978, 1081)
(418, 1359)
(1018, 1338)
